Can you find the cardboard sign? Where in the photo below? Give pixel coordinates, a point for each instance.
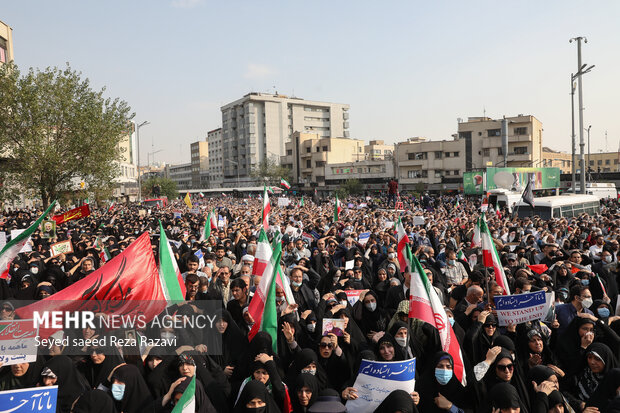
(283, 202)
(333, 326)
(176, 215)
(418, 220)
(195, 211)
(62, 247)
(377, 379)
(519, 308)
(353, 296)
(17, 342)
(363, 238)
(34, 399)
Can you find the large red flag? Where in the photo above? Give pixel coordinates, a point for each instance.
(127, 284)
(75, 213)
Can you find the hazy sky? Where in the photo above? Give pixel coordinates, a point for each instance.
(407, 68)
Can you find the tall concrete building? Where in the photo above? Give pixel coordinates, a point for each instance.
(6, 43)
(200, 164)
(216, 173)
(307, 154)
(483, 141)
(127, 180)
(256, 127)
(181, 174)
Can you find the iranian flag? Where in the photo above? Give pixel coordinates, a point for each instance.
(104, 254)
(490, 258)
(262, 256)
(111, 207)
(262, 307)
(476, 240)
(266, 209)
(201, 195)
(13, 247)
(403, 241)
(169, 275)
(456, 205)
(301, 203)
(425, 305)
(284, 183)
(337, 209)
(187, 402)
(210, 224)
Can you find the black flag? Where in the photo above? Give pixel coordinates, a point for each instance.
(528, 193)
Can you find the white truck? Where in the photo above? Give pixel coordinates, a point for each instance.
(501, 198)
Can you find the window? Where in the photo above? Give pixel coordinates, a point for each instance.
(417, 174)
(289, 151)
(325, 148)
(308, 163)
(607, 162)
(600, 162)
(500, 151)
(486, 152)
(520, 150)
(494, 132)
(3, 50)
(416, 156)
(465, 135)
(456, 172)
(437, 174)
(438, 154)
(456, 154)
(615, 162)
(308, 149)
(318, 149)
(521, 130)
(591, 163)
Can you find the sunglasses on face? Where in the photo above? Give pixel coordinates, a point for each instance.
(326, 345)
(96, 350)
(7, 309)
(505, 367)
(490, 325)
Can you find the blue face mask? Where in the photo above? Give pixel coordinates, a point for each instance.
(603, 312)
(443, 376)
(451, 320)
(118, 391)
(295, 284)
(585, 282)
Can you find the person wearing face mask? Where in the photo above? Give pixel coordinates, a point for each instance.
(580, 302)
(369, 317)
(129, 390)
(439, 389)
(303, 290)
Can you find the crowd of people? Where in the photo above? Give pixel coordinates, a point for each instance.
(565, 362)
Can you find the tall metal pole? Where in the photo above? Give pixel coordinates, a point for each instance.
(138, 148)
(572, 111)
(581, 141)
(588, 168)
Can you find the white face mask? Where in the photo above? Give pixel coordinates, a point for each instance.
(167, 335)
(608, 259)
(402, 341)
(344, 303)
(311, 327)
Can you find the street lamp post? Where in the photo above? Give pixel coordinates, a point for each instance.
(138, 150)
(582, 71)
(588, 130)
(572, 112)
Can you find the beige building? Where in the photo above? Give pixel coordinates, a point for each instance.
(554, 159)
(307, 154)
(483, 141)
(428, 162)
(603, 161)
(374, 174)
(200, 164)
(216, 176)
(257, 126)
(377, 149)
(6, 43)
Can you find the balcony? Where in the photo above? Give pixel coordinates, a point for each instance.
(519, 157)
(519, 138)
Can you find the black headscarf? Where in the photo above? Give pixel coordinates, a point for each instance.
(367, 320)
(397, 401)
(606, 391)
(9, 382)
(203, 404)
(568, 348)
(94, 401)
(137, 394)
(504, 396)
(71, 383)
(491, 379)
(233, 342)
(302, 359)
(398, 350)
(304, 380)
(255, 389)
(429, 388)
(97, 374)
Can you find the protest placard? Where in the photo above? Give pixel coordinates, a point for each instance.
(519, 308)
(377, 379)
(283, 202)
(33, 399)
(333, 326)
(307, 238)
(17, 342)
(48, 229)
(177, 214)
(363, 238)
(195, 211)
(62, 247)
(2, 239)
(348, 265)
(353, 296)
(418, 220)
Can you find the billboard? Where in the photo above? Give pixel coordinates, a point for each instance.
(478, 182)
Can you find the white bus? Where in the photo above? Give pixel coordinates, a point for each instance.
(567, 205)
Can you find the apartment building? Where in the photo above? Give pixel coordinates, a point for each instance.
(420, 160)
(556, 159)
(603, 161)
(483, 141)
(199, 152)
(6, 43)
(377, 149)
(256, 128)
(181, 174)
(216, 173)
(307, 154)
(374, 174)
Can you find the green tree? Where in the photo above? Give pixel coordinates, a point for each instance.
(54, 130)
(272, 171)
(353, 186)
(167, 187)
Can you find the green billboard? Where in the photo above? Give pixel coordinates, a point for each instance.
(477, 182)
